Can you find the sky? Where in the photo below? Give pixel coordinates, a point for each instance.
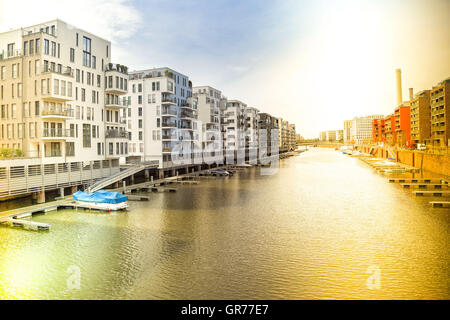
(312, 62)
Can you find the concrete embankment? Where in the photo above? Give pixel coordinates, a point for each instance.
(426, 161)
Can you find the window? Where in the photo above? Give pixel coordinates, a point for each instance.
(38, 46)
(76, 39)
(94, 62)
(53, 49)
(140, 111)
(86, 52)
(25, 48)
(70, 149)
(139, 99)
(140, 135)
(72, 55)
(10, 49)
(140, 123)
(99, 148)
(46, 46)
(86, 135)
(36, 108)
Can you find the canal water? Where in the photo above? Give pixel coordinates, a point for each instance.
(325, 226)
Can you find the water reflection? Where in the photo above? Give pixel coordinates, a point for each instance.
(309, 232)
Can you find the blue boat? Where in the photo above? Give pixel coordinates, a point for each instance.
(102, 200)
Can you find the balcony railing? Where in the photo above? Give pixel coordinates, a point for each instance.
(64, 71)
(114, 133)
(116, 67)
(168, 112)
(54, 111)
(168, 99)
(169, 124)
(57, 133)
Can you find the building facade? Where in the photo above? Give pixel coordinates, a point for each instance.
(162, 117)
(421, 117)
(361, 131)
(57, 88)
(210, 103)
(440, 114)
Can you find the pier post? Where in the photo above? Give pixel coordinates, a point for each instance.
(124, 186)
(39, 196)
(61, 192)
(161, 173)
(132, 179)
(147, 174)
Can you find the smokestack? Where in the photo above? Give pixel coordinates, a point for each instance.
(411, 94)
(398, 74)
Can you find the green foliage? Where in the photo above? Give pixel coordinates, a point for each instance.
(7, 153)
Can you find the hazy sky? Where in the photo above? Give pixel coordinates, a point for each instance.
(313, 62)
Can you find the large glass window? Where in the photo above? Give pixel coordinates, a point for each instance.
(86, 52)
(86, 135)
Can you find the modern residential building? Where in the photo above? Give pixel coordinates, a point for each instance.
(283, 135)
(347, 130)
(378, 134)
(233, 128)
(270, 125)
(210, 104)
(340, 135)
(292, 137)
(390, 136)
(361, 131)
(420, 117)
(323, 136)
(440, 114)
(251, 133)
(162, 117)
(402, 125)
(331, 135)
(59, 99)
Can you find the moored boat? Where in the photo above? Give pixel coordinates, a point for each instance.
(102, 200)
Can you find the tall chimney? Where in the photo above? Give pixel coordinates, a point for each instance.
(411, 94)
(398, 74)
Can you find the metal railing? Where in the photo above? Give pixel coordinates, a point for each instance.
(57, 133)
(55, 111)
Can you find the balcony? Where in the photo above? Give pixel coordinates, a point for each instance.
(114, 103)
(57, 113)
(68, 72)
(187, 106)
(57, 133)
(116, 134)
(187, 115)
(165, 124)
(168, 99)
(168, 112)
(116, 67)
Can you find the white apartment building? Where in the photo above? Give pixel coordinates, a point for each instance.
(233, 128)
(347, 130)
(251, 133)
(210, 104)
(361, 129)
(59, 97)
(161, 116)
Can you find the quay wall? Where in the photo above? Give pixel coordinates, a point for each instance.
(436, 163)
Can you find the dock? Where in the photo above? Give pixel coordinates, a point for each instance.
(423, 185)
(432, 193)
(440, 204)
(26, 224)
(416, 180)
